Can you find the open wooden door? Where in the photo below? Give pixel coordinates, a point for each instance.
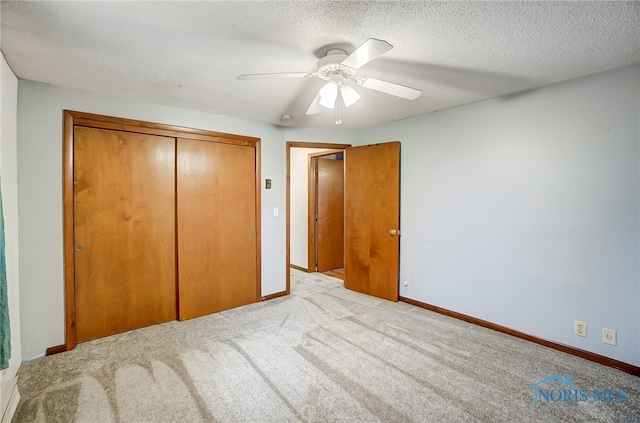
(372, 219)
(330, 214)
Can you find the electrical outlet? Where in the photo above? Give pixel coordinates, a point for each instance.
(580, 328)
(609, 336)
(405, 284)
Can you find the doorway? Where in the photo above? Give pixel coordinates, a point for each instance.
(299, 247)
(371, 217)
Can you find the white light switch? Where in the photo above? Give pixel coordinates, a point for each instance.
(275, 211)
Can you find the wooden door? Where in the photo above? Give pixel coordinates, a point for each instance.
(124, 230)
(330, 214)
(372, 213)
(217, 244)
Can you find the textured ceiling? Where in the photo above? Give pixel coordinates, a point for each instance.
(188, 54)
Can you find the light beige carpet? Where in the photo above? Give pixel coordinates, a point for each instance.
(322, 354)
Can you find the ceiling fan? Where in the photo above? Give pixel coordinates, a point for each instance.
(340, 72)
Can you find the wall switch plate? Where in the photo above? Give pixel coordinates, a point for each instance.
(609, 336)
(580, 328)
(276, 211)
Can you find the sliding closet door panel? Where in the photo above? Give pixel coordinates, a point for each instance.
(217, 264)
(124, 229)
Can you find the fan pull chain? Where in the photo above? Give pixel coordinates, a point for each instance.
(338, 108)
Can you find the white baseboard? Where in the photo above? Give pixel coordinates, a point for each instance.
(9, 398)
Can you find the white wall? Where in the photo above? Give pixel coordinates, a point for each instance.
(524, 210)
(299, 205)
(331, 136)
(9, 180)
(40, 204)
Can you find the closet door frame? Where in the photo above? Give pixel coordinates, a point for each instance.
(74, 119)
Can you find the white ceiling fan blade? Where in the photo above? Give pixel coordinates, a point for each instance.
(274, 75)
(349, 95)
(368, 51)
(391, 88)
(315, 107)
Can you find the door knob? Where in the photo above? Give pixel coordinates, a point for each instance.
(393, 232)
(80, 247)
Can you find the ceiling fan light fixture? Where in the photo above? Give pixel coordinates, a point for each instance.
(349, 95)
(328, 95)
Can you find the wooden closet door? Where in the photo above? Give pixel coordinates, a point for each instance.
(217, 244)
(124, 230)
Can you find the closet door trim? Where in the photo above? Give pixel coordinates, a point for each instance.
(150, 128)
(73, 119)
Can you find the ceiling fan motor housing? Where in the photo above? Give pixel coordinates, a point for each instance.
(330, 67)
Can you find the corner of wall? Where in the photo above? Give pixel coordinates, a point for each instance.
(9, 398)
(9, 180)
